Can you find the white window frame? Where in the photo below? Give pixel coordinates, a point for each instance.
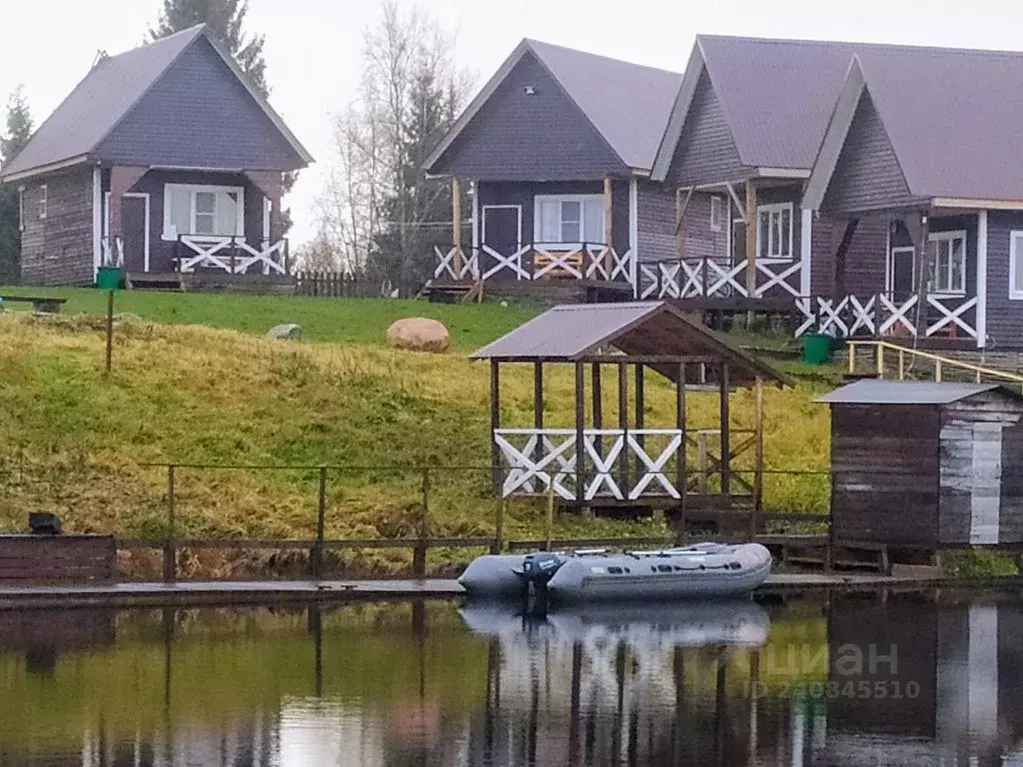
(717, 213)
(1014, 253)
(775, 209)
(43, 201)
(168, 236)
(582, 199)
(938, 237)
(889, 284)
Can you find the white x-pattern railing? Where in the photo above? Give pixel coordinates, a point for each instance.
(711, 278)
(113, 251)
(589, 261)
(231, 254)
(885, 315)
(538, 459)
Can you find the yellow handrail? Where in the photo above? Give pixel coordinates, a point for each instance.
(940, 363)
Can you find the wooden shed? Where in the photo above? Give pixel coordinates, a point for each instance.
(926, 465)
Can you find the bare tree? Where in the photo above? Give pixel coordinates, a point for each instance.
(377, 207)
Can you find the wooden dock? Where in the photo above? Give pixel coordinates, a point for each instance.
(230, 593)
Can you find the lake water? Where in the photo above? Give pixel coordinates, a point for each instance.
(909, 680)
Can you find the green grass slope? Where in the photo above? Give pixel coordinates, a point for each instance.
(76, 442)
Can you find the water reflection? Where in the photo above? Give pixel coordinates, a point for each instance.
(907, 680)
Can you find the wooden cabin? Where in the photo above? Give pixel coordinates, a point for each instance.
(623, 458)
(926, 465)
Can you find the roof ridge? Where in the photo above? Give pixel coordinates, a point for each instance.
(533, 42)
(908, 47)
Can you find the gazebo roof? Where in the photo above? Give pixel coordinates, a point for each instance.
(656, 331)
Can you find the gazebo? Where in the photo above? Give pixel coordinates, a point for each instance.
(626, 462)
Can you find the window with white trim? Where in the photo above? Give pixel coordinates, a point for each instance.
(42, 201)
(717, 213)
(946, 266)
(774, 230)
(211, 211)
(568, 219)
(1015, 267)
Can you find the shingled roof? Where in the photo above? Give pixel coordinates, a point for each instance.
(953, 118)
(107, 94)
(627, 103)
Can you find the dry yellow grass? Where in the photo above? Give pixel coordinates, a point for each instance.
(74, 441)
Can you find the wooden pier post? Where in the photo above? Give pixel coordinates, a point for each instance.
(419, 553)
(498, 545)
(623, 424)
(495, 423)
(580, 434)
(321, 523)
(726, 446)
(170, 554)
(681, 480)
(758, 459)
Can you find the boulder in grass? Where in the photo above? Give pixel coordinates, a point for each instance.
(419, 334)
(289, 332)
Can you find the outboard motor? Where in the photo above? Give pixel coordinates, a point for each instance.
(539, 568)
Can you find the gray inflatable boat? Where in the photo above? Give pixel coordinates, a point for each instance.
(703, 571)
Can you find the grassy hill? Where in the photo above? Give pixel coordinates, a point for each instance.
(76, 442)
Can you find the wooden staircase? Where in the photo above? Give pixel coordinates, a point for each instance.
(452, 292)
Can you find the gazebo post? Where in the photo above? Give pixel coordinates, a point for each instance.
(758, 460)
(538, 409)
(623, 424)
(726, 448)
(680, 466)
(580, 432)
(598, 408)
(640, 418)
(495, 424)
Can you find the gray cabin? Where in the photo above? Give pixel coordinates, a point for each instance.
(926, 465)
(164, 159)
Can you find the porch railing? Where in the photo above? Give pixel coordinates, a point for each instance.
(711, 278)
(888, 315)
(112, 251)
(536, 261)
(233, 255)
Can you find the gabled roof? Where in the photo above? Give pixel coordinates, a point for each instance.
(572, 332)
(777, 97)
(875, 392)
(627, 103)
(106, 95)
(953, 118)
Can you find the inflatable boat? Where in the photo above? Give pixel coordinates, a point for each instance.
(706, 570)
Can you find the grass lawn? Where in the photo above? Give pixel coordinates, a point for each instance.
(195, 382)
(352, 320)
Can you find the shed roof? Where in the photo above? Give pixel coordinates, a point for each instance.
(572, 332)
(107, 94)
(627, 103)
(875, 392)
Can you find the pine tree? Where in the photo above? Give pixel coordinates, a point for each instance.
(225, 19)
(16, 135)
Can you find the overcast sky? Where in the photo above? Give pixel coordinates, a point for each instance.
(312, 46)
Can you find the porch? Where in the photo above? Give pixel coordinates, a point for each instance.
(593, 262)
(712, 278)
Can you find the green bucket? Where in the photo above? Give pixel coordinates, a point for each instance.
(108, 278)
(816, 348)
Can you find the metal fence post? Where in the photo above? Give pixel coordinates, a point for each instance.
(170, 549)
(419, 553)
(321, 520)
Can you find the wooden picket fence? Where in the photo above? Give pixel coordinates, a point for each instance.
(336, 285)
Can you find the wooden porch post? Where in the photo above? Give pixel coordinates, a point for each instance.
(922, 269)
(495, 424)
(752, 245)
(580, 432)
(456, 224)
(608, 228)
(726, 449)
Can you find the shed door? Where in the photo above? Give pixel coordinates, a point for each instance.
(135, 225)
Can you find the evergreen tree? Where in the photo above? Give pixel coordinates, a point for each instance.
(17, 131)
(225, 19)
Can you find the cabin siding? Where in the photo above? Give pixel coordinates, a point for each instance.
(700, 240)
(706, 151)
(1004, 315)
(655, 212)
(58, 249)
(161, 252)
(523, 193)
(885, 473)
(868, 176)
(521, 137)
(199, 115)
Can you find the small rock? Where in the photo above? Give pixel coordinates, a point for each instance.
(289, 332)
(419, 334)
